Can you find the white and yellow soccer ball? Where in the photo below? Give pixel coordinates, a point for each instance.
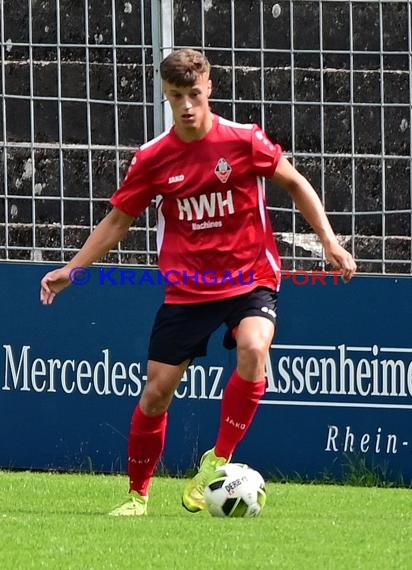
(235, 490)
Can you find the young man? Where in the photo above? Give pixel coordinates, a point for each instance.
(206, 173)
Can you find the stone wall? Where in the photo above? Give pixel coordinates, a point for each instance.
(355, 150)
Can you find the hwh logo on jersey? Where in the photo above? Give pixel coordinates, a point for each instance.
(215, 204)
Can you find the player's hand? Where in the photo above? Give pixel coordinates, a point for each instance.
(341, 259)
(52, 283)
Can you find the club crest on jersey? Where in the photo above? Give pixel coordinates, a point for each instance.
(223, 170)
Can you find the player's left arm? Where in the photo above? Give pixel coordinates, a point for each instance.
(310, 206)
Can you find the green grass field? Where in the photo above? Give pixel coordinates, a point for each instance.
(59, 521)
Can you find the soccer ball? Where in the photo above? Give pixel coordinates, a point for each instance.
(235, 490)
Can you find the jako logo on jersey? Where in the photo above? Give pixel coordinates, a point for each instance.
(173, 179)
(212, 205)
(223, 170)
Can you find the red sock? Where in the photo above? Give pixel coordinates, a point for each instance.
(146, 441)
(239, 405)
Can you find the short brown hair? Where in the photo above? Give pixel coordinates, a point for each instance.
(183, 67)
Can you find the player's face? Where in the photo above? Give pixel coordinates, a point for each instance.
(190, 107)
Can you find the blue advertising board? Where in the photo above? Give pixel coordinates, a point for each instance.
(339, 377)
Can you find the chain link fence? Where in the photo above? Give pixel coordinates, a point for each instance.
(329, 80)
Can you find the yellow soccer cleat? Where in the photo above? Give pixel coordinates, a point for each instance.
(135, 506)
(192, 498)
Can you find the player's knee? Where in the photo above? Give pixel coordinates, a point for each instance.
(254, 351)
(155, 399)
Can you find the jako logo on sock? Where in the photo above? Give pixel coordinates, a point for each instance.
(235, 424)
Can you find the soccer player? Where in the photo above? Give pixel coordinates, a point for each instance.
(206, 175)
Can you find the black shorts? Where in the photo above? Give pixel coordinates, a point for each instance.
(182, 332)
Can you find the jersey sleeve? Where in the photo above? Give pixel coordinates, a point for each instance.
(265, 153)
(135, 193)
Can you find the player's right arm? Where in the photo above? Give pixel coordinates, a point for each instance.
(104, 237)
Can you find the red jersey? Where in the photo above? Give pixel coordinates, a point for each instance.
(214, 236)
